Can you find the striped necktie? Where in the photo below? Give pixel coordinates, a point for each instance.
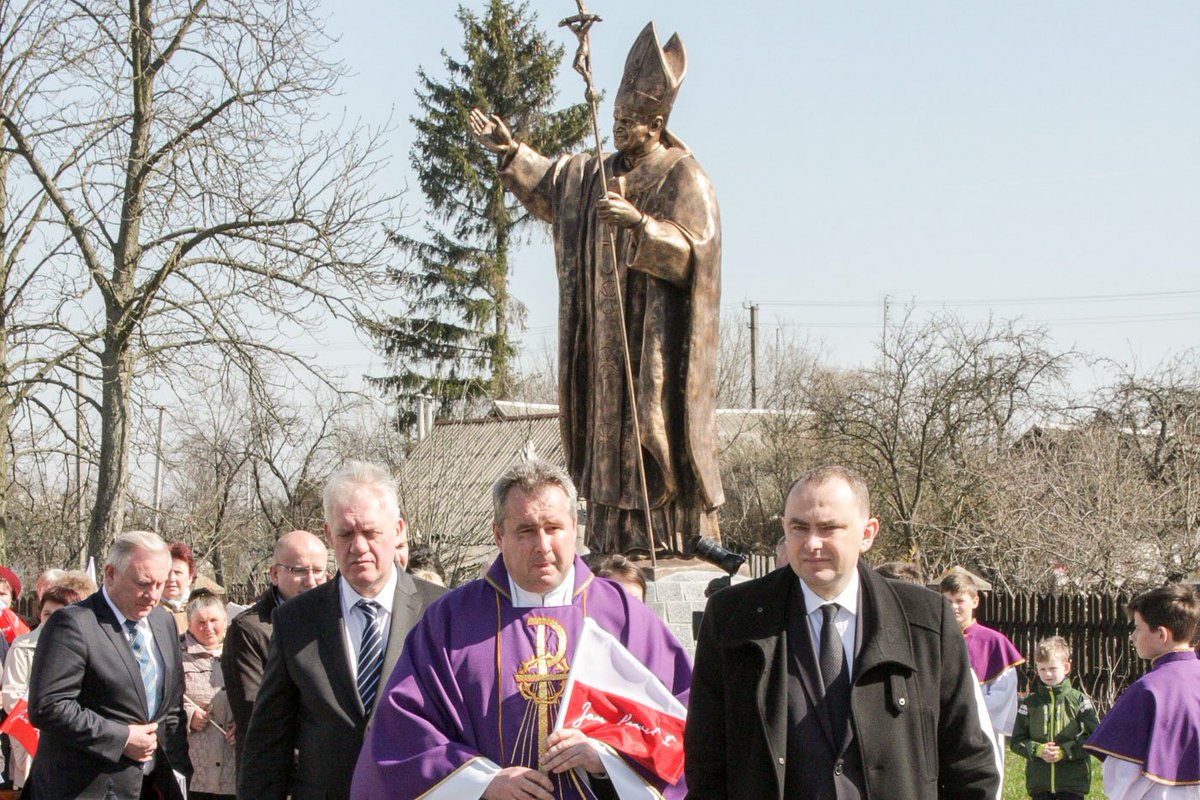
(370, 653)
(145, 659)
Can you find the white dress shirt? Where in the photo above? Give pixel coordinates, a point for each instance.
(846, 620)
(354, 620)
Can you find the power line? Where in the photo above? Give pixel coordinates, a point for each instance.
(1099, 320)
(1082, 298)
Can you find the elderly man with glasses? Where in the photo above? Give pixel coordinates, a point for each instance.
(300, 562)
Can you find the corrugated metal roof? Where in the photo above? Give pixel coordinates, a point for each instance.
(446, 481)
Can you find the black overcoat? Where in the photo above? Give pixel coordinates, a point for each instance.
(916, 720)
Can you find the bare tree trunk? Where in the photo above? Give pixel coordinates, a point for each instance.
(6, 395)
(113, 479)
(501, 379)
(6, 412)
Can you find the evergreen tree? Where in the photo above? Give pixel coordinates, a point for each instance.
(454, 342)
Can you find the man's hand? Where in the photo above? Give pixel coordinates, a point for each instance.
(569, 748)
(1051, 753)
(519, 783)
(490, 131)
(616, 210)
(142, 742)
(199, 719)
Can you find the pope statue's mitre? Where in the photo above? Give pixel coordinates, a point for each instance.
(652, 73)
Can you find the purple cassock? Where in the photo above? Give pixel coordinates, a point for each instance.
(990, 652)
(1156, 722)
(478, 684)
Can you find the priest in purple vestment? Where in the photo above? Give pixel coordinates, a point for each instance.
(469, 710)
(1149, 740)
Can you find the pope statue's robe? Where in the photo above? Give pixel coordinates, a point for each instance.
(476, 688)
(669, 269)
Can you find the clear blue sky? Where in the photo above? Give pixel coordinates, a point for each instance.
(971, 154)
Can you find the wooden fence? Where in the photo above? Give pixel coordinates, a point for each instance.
(1103, 661)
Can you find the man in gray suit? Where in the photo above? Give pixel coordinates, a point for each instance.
(106, 687)
(332, 648)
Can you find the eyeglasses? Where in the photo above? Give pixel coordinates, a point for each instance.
(300, 572)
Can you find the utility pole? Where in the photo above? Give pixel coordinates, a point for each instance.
(754, 355)
(158, 472)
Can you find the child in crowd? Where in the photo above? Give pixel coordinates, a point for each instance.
(1150, 740)
(1052, 724)
(993, 657)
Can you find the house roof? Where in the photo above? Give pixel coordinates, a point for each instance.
(445, 482)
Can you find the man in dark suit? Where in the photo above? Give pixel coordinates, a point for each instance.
(106, 687)
(824, 680)
(332, 648)
(299, 562)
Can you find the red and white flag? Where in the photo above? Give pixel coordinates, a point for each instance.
(18, 726)
(614, 699)
(11, 626)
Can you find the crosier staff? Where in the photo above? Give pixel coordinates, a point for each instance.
(580, 25)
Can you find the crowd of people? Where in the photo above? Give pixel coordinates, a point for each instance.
(823, 679)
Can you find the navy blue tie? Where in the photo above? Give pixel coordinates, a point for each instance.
(370, 653)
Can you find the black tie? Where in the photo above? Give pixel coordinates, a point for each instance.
(834, 674)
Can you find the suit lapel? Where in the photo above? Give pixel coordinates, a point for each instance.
(120, 644)
(331, 644)
(166, 636)
(762, 624)
(883, 626)
(405, 611)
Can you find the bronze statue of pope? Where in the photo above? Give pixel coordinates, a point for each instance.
(660, 211)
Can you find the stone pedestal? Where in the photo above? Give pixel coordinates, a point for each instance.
(676, 593)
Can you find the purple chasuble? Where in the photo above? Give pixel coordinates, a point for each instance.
(478, 677)
(990, 652)
(1156, 722)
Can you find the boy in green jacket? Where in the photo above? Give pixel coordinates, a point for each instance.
(1053, 722)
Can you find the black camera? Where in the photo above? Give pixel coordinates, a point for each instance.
(712, 552)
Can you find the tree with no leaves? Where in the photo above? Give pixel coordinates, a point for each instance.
(921, 422)
(41, 283)
(180, 151)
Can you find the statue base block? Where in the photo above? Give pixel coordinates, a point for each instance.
(676, 591)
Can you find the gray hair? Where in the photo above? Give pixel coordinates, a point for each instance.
(51, 575)
(356, 476)
(202, 601)
(531, 476)
(126, 544)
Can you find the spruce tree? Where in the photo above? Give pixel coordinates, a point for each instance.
(454, 342)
